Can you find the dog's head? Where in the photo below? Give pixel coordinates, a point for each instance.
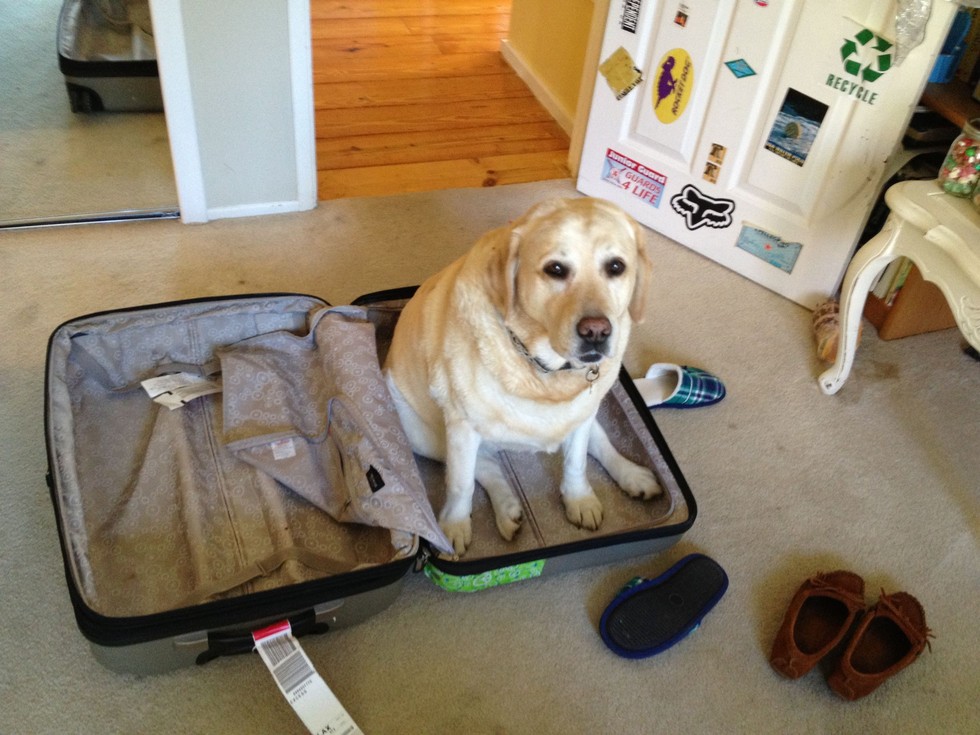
(569, 278)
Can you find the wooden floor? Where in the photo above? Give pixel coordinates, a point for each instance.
(414, 95)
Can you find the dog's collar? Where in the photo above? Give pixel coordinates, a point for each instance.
(591, 375)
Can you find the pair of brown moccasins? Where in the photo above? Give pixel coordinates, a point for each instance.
(889, 636)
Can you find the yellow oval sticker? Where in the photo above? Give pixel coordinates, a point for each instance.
(675, 83)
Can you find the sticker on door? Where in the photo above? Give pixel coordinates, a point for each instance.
(680, 17)
(630, 16)
(740, 68)
(712, 167)
(865, 59)
(700, 210)
(796, 126)
(620, 73)
(768, 247)
(675, 84)
(626, 174)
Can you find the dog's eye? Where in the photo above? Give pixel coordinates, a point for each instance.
(615, 267)
(556, 270)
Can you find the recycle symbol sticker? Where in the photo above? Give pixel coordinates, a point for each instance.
(866, 55)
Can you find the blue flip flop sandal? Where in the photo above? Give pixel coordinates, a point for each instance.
(649, 616)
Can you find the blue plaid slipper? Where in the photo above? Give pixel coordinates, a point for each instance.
(679, 386)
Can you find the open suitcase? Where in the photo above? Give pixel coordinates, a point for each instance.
(285, 490)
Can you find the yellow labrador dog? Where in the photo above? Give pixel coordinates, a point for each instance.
(513, 346)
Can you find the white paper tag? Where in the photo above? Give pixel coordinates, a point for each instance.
(178, 389)
(283, 449)
(300, 684)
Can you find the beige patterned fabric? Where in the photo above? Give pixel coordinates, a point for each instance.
(314, 413)
(156, 512)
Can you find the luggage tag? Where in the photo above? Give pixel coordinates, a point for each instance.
(178, 389)
(300, 684)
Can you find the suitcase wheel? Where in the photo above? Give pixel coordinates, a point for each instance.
(83, 99)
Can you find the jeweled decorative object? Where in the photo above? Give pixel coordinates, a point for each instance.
(961, 169)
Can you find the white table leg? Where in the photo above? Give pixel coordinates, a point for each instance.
(869, 261)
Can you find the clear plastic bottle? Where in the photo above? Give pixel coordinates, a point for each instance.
(961, 169)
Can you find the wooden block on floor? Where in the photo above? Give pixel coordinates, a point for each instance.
(919, 307)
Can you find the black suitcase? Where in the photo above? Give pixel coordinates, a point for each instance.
(179, 534)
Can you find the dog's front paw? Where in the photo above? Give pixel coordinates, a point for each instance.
(459, 533)
(639, 482)
(584, 511)
(509, 517)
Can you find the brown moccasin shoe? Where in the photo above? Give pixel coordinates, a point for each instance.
(890, 636)
(819, 616)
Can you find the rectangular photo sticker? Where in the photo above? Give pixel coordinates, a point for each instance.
(768, 247)
(796, 126)
(712, 167)
(680, 17)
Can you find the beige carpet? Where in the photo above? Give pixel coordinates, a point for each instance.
(57, 164)
(882, 479)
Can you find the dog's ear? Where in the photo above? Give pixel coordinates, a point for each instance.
(501, 271)
(505, 255)
(644, 275)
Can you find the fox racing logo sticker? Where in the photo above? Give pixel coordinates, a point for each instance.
(700, 210)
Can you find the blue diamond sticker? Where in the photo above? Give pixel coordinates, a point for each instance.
(740, 68)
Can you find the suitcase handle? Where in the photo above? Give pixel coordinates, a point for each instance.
(235, 642)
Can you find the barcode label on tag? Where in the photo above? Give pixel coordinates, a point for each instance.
(300, 684)
(278, 648)
(293, 672)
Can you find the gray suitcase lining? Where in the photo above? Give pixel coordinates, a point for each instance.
(157, 514)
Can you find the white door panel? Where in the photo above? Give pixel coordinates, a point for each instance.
(754, 133)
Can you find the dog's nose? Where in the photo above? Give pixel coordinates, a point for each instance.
(594, 329)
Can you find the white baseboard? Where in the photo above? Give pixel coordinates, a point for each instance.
(259, 209)
(564, 117)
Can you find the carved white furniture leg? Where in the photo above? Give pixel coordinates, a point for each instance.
(937, 232)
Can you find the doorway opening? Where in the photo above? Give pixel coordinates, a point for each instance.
(416, 96)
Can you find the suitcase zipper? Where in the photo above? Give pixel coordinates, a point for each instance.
(422, 558)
